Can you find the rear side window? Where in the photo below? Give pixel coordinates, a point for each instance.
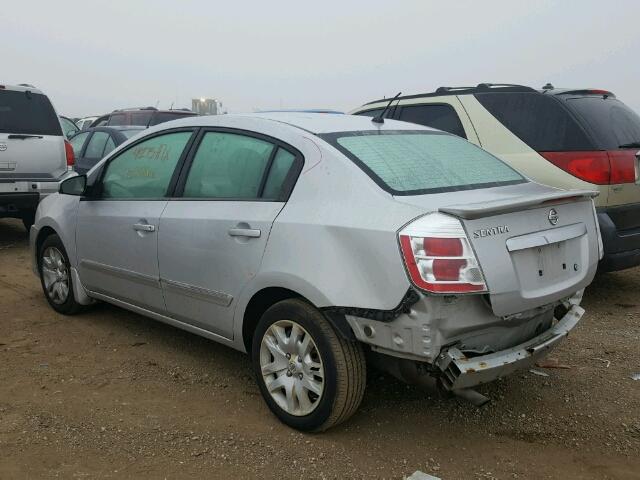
(117, 119)
(442, 117)
(282, 163)
(540, 121)
(145, 170)
(228, 165)
(140, 118)
(610, 121)
(418, 162)
(27, 113)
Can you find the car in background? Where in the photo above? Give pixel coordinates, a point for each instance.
(35, 156)
(68, 127)
(85, 122)
(425, 251)
(146, 117)
(92, 144)
(566, 138)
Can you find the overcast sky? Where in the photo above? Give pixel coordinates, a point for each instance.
(92, 56)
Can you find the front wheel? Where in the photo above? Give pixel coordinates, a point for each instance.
(310, 377)
(55, 276)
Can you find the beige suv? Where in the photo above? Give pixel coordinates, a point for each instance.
(565, 138)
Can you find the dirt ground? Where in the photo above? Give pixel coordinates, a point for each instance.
(111, 394)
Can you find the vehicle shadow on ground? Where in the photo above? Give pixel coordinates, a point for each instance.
(12, 233)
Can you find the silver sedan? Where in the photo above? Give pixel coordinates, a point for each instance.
(309, 239)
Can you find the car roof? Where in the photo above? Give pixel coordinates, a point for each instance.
(315, 123)
(21, 88)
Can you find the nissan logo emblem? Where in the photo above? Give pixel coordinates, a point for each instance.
(3, 147)
(553, 216)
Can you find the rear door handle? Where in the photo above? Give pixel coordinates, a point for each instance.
(244, 232)
(144, 227)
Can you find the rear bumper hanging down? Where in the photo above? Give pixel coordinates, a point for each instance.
(459, 372)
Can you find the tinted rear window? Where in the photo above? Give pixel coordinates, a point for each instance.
(539, 120)
(416, 162)
(610, 122)
(27, 113)
(442, 117)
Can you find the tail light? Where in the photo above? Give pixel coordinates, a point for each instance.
(599, 167)
(68, 150)
(438, 256)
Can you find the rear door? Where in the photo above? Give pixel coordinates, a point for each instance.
(212, 238)
(31, 140)
(117, 229)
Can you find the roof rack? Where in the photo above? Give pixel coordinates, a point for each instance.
(135, 108)
(480, 88)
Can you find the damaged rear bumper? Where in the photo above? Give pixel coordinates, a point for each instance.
(459, 372)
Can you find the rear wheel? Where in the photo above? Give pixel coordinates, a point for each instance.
(55, 276)
(310, 377)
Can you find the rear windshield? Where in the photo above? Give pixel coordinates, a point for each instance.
(131, 133)
(416, 162)
(538, 120)
(162, 117)
(611, 122)
(27, 113)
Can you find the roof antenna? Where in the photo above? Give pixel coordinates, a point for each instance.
(380, 118)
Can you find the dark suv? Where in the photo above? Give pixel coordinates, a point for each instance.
(145, 117)
(573, 139)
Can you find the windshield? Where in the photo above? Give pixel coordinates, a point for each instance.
(611, 122)
(25, 112)
(416, 162)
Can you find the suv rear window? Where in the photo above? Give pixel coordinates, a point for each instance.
(27, 113)
(610, 121)
(539, 120)
(162, 117)
(406, 162)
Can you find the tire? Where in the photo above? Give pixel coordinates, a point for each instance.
(54, 266)
(28, 219)
(295, 399)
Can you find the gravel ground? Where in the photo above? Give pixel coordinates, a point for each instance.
(111, 394)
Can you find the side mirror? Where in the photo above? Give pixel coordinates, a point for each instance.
(74, 185)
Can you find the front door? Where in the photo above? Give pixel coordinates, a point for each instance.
(117, 232)
(212, 239)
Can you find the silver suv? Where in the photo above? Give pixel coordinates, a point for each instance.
(34, 154)
(308, 239)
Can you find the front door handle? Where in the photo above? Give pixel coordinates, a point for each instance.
(144, 227)
(244, 232)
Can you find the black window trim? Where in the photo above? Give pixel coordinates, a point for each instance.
(287, 185)
(95, 191)
(332, 139)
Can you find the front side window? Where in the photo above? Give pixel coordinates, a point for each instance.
(96, 145)
(228, 165)
(418, 162)
(144, 170)
(442, 117)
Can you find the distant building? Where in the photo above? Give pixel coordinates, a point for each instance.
(207, 106)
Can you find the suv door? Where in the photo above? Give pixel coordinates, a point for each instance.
(118, 222)
(212, 238)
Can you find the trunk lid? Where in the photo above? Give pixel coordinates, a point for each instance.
(535, 246)
(31, 140)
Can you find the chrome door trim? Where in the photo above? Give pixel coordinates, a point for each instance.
(121, 272)
(199, 293)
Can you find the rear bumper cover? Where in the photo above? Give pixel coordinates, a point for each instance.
(12, 204)
(621, 243)
(459, 372)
